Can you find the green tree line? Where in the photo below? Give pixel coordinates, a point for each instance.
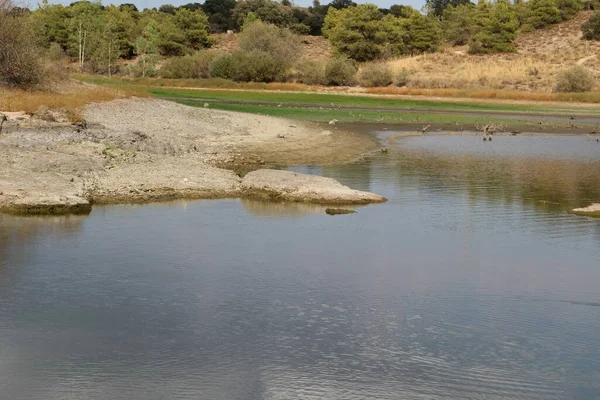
(97, 36)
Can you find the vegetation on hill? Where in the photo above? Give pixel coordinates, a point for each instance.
(370, 46)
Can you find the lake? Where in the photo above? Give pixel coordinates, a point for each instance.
(472, 282)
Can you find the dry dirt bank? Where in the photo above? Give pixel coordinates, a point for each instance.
(141, 150)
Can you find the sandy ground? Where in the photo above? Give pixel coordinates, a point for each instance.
(141, 150)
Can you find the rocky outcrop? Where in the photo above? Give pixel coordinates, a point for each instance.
(589, 211)
(269, 184)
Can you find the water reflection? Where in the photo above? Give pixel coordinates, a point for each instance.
(471, 282)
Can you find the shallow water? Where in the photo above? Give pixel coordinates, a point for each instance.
(472, 282)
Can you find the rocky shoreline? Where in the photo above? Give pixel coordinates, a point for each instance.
(145, 150)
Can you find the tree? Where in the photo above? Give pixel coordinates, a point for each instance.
(50, 24)
(437, 7)
(363, 33)
(591, 29)
(423, 34)
(569, 8)
(146, 48)
(340, 4)
(85, 23)
(316, 19)
(167, 9)
(499, 30)
(219, 14)
(194, 26)
(115, 40)
(458, 24)
(543, 13)
(266, 10)
(402, 11)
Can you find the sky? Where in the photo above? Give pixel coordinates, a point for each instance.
(141, 4)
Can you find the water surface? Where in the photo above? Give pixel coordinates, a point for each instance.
(472, 282)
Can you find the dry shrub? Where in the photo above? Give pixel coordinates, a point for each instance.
(279, 43)
(310, 72)
(575, 79)
(191, 66)
(375, 74)
(340, 71)
(249, 66)
(20, 65)
(71, 102)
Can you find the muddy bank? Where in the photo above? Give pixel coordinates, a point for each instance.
(142, 150)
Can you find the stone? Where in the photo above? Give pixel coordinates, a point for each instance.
(269, 184)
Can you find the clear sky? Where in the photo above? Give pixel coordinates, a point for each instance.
(141, 4)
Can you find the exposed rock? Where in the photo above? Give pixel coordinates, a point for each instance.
(290, 186)
(339, 211)
(142, 150)
(589, 211)
(33, 204)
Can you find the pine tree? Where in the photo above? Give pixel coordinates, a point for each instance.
(498, 31)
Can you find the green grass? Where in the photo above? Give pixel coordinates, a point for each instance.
(323, 115)
(281, 103)
(321, 99)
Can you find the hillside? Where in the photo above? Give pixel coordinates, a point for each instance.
(540, 57)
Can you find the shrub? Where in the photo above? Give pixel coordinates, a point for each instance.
(591, 29)
(249, 66)
(191, 66)
(569, 8)
(375, 74)
(575, 79)
(300, 29)
(340, 71)
(280, 44)
(20, 65)
(310, 72)
(55, 52)
(401, 78)
(543, 13)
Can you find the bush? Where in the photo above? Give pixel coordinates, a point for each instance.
(300, 29)
(310, 72)
(20, 65)
(543, 13)
(569, 8)
(340, 71)
(279, 43)
(191, 66)
(375, 74)
(249, 66)
(575, 79)
(591, 29)
(401, 78)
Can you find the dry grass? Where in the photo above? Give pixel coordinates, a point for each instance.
(541, 56)
(455, 69)
(499, 94)
(70, 102)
